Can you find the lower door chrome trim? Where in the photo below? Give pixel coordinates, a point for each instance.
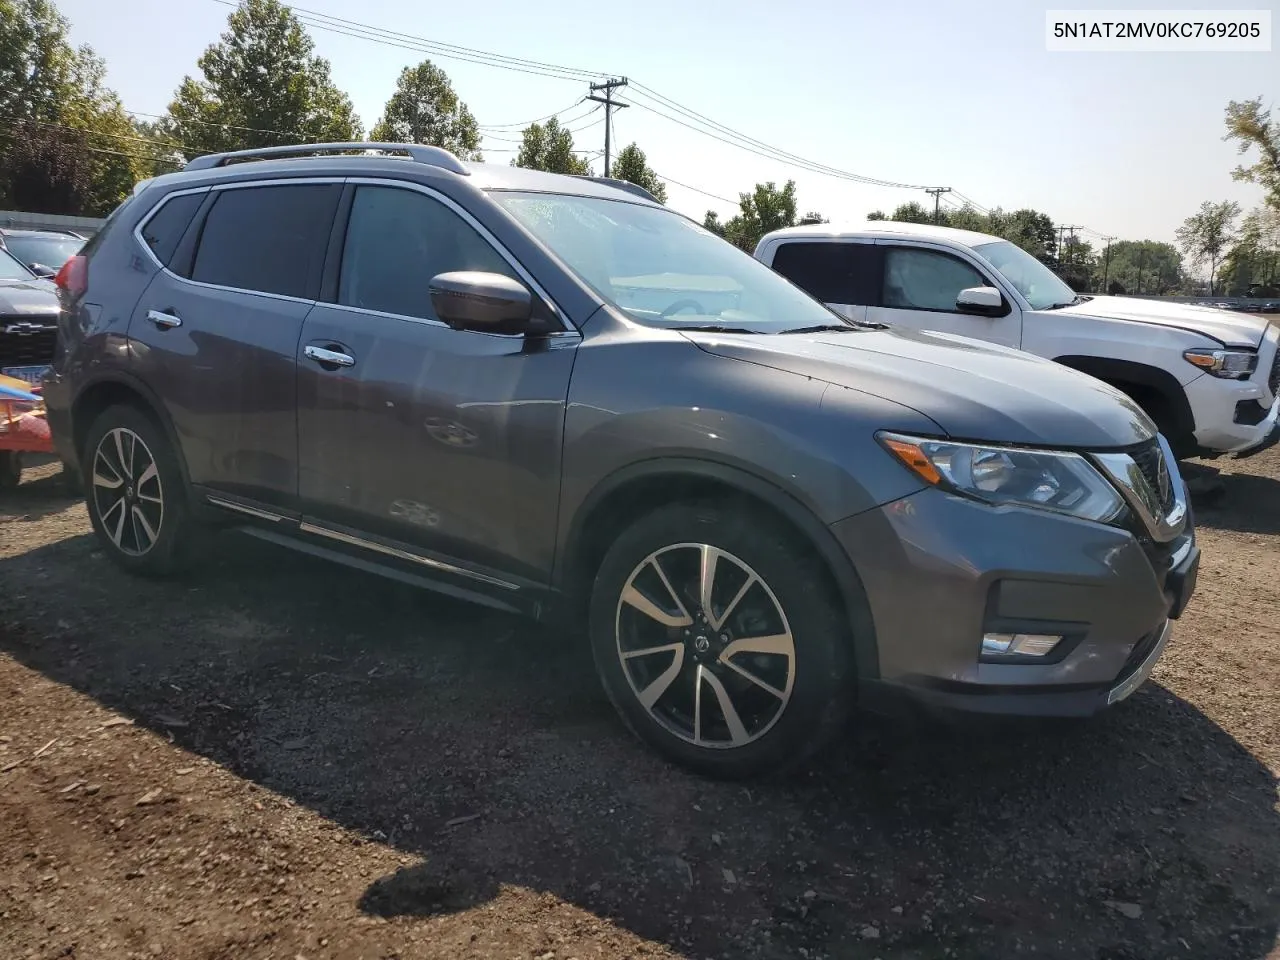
(319, 531)
(242, 508)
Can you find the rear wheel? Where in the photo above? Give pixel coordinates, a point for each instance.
(134, 490)
(10, 469)
(719, 642)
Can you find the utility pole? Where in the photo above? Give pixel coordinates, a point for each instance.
(937, 195)
(609, 106)
(1106, 264)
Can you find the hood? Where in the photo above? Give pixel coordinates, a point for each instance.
(972, 390)
(34, 299)
(1227, 327)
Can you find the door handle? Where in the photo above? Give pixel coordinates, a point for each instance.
(164, 319)
(334, 357)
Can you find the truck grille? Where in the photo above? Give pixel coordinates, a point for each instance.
(1273, 380)
(1150, 460)
(26, 349)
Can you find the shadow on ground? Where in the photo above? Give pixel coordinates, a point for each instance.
(483, 743)
(1247, 504)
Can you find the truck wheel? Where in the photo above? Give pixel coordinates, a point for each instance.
(719, 642)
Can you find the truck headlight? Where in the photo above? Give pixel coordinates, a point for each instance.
(1228, 364)
(1044, 479)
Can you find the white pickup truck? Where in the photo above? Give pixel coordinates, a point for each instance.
(1208, 378)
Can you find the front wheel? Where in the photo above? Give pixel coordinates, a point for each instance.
(719, 641)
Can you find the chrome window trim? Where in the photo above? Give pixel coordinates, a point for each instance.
(428, 322)
(1125, 475)
(310, 526)
(560, 316)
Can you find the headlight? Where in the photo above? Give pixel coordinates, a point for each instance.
(1228, 364)
(1046, 479)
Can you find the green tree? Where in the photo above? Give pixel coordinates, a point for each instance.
(766, 208)
(966, 218)
(877, 215)
(1141, 266)
(425, 109)
(1252, 126)
(262, 85)
(911, 212)
(549, 146)
(64, 141)
(813, 216)
(1206, 236)
(712, 222)
(633, 166)
(1029, 229)
(1255, 258)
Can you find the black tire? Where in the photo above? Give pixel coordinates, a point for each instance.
(822, 672)
(175, 532)
(10, 469)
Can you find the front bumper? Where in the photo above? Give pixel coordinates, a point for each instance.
(940, 570)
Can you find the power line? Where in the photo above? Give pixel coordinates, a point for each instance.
(663, 176)
(748, 142)
(470, 51)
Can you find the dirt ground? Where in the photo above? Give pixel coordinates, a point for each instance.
(279, 758)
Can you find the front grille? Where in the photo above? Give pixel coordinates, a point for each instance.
(1150, 460)
(1273, 380)
(24, 350)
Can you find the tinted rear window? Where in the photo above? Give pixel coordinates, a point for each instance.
(821, 269)
(167, 225)
(267, 239)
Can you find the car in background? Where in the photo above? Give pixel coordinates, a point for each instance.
(555, 396)
(28, 321)
(1209, 378)
(42, 251)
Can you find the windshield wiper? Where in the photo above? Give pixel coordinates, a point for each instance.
(840, 327)
(1067, 303)
(713, 328)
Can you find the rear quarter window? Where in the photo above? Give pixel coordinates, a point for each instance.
(164, 228)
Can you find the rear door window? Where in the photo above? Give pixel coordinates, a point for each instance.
(832, 272)
(267, 239)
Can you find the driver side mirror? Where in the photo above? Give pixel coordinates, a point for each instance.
(983, 301)
(484, 302)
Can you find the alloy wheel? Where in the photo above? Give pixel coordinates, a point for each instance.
(127, 493)
(705, 645)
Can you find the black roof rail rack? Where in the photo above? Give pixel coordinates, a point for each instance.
(420, 153)
(626, 185)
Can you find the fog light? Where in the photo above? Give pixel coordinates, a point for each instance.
(1019, 644)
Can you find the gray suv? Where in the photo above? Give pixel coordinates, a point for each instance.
(552, 394)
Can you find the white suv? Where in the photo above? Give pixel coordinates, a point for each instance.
(1208, 378)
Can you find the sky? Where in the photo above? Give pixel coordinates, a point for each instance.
(920, 92)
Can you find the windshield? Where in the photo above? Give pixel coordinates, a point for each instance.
(1033, 279)
(49, 251)
(662, 269)
(11, 269)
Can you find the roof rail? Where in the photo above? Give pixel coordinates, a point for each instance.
(626, 185)
(420, 153)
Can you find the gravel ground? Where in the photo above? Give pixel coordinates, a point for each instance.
(279, 758)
